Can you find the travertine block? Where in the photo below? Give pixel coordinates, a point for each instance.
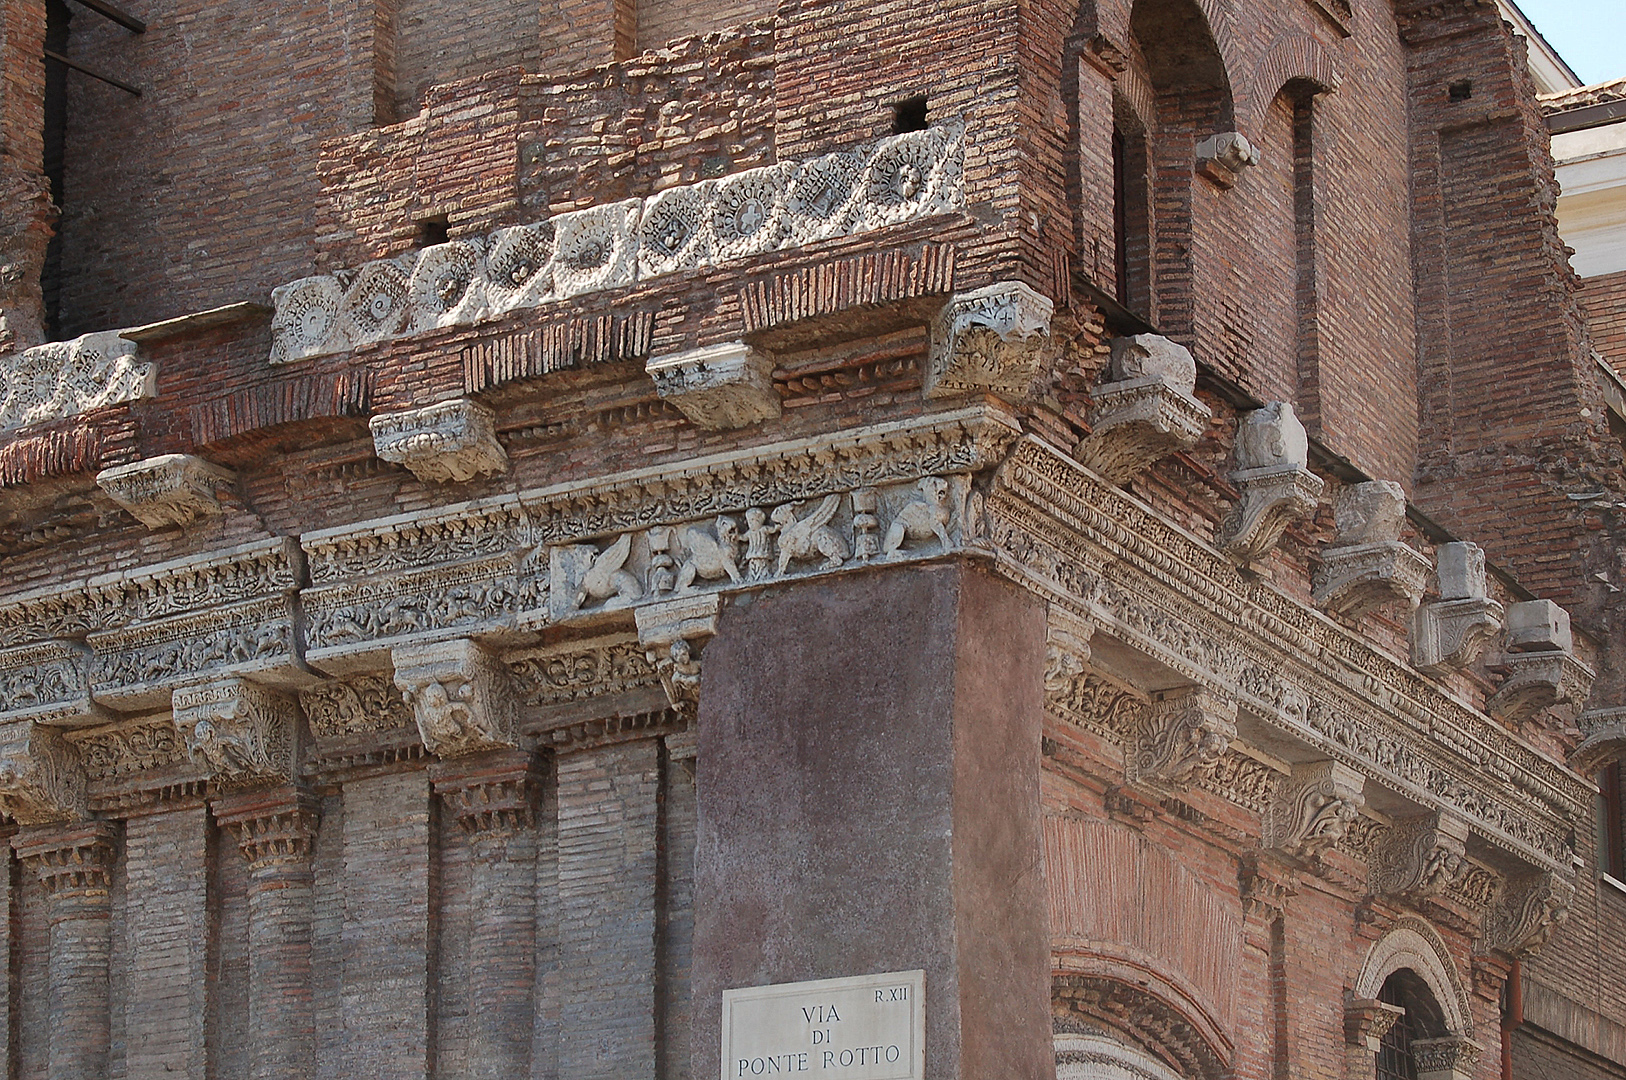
(718, 387)
(1538, 626)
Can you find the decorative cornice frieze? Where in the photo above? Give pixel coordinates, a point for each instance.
(73, 861)
(244, 733)
(448, 442)
(989, 340)
(116, 753)
(1096, 702)
(47, 681)
(1314, 809)
(901, 178)
(173, 489)
(460, 696)
(718, 387)
(65, 378)
(41, 780)
(580, 670)
(1525, 914)
(1243, 780)
(356, 705)
(1093, 547)
(1277, 487)
(1423, 855)
(1182, 737)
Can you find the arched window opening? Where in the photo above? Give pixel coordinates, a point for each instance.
(1131, 211)
(1422, 1019)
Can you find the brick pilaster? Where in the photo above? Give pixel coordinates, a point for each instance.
(276, 829)
(167, 926)
(493, 797)
(74, 864)
(608, 842)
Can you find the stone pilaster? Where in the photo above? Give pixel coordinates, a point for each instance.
(608, 858)
(493, 797)
(166, 925)
(74, 864)
(275, 829)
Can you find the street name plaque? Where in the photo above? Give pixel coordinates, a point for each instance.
(867, 1027)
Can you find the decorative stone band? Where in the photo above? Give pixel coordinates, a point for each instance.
(65, 378)
(48, 682)
(453, 441)
(174, 489)
(244, 733)
(41, 779)
(1092, 548)
(893, 180)
(360, 705)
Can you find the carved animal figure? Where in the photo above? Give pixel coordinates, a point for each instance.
(924, 516)
(710, 558)
(606, 580)
(444, 717)
(810, 536)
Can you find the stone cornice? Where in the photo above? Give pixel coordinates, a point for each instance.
(1149, 583)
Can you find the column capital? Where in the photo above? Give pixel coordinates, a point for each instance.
(491, 793)
(71, 860)
(40, 778)
(244, 733)
(273, 826)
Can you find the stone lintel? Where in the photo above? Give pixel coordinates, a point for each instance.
(172, 489)
(718, 387)
(449, 442)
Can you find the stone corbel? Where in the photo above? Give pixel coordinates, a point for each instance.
(718, 387)
(1453, 1057)
(243, 733)
(1368, 565)
(1525, 914)
(1421, 856)
(1603, 739)
(1067, 649)
(674, 632)
(1449, 634)
(1272, 452)
(1146, 411)
(1540, 665)
(1367, 1021)
(989, 340)
(273, 826)
(1314, 809)
(1222, 157)
(173, 489)
(40, 778)
(1183, 735)
(460, 696)
(449, 442)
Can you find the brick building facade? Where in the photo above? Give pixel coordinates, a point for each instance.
(517, 524)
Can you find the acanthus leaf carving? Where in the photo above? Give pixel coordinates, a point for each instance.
(1539, 680)
(41, 780)
(1525, 914)
(1182, 737)
(579, 670)
(448, 442)
(989, 340)
(1314, 809)
(1423, 855)
(354, 706)
(460, 696)
(1603, 739)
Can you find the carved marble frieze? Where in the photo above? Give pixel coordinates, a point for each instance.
(119, 753)
(49, 682)
(1148, 583)
(360, 705)
(893, 180)
(578, 670)
(576, 552)
(65, 378)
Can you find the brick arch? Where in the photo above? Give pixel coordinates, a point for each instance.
(1414, 945)
(1110, 18)
(1294, 58)
(1131, 1003)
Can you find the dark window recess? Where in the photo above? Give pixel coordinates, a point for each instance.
(909, 115)
(1120, 219)
(1395, 1061)
(432, 231)
(1462, 90)
(1613, 858)
(56, 131)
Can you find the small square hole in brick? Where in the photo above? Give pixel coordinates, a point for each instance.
(909, 115)
(432, 231)
(1462, 90)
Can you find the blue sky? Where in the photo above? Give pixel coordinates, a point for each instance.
(1589, 34)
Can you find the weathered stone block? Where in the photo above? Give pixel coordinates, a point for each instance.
(990, 340)
(718, 387)
(451, 442)
(173, 489)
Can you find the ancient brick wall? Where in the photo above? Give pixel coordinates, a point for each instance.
(1604, 298)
